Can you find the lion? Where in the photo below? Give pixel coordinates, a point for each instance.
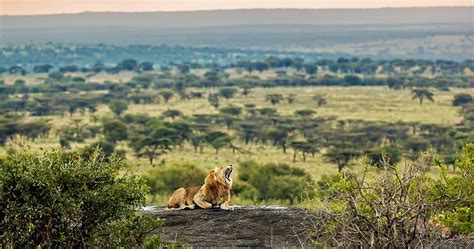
(214, 193)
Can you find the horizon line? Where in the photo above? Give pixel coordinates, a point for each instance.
(229, 9)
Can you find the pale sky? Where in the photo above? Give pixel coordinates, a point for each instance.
(34, 7)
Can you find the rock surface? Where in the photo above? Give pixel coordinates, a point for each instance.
(244, 226)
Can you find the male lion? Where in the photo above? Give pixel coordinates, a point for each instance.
(214, 193)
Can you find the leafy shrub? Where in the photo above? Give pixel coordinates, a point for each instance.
(167, 179)
(462, 99)
(273, 181)
(458, 191)
(53, 199)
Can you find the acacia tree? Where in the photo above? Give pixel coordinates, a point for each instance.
(118, 106)
(167, 95)
(341, 157)
(320, 100)
(422, 94)
(274, 98)
(218, 140)
(155, 144)
(213, 99)
(228, 92)
(302, 146)
(115, 130)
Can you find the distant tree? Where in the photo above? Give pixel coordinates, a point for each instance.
(231, 110)
(305, 112)
(98, 67)
(261, 66)
(302, 146)
(462, 99)
(19, 83)
(310, 69)
(69, 69)
(115, 130)
(155, 144)
(395, 83)
(16, 70)
(320, 100)
(183, 68)
(42, 68)
(172, 113)
(248, 131)
(180, 87)
(118, 106)
(267, 111)
(212, 78)
(422, 94)
(145, 66)
(218, 140)
(213, 99)
(387, 155)
(278, 137)
(274, 98)
(298, 64)
(353, 80)
(291, 98)
(167, 95)
(128, 65)
(341, 157)
(228, 92)
(246, 89)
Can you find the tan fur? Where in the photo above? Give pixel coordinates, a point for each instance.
(183, 198)
(214, 193)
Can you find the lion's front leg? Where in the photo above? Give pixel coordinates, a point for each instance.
(225, 206)
(201, 203)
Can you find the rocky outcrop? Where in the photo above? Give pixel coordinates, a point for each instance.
(244, 226)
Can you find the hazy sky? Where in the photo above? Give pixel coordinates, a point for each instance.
(32, 7)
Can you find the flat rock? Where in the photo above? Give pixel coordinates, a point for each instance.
(244, 226)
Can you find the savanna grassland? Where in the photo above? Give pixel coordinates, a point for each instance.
(375, 103)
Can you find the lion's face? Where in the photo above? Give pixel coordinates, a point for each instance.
(223, 175)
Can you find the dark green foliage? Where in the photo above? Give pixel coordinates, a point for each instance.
(320, 100)
(274, 98)
(274, 181)
(457, 212)
(231, 110)
(165, 180)
(118, 106)
(385, 155)
(422, 94)
(172, 113)
(167, 95)
(228, 92)
(115, 130)
(218, 140)
(213, 100)
(52, 199)
(462, 99)
(127, 65)
(341, 157)
(305, 112)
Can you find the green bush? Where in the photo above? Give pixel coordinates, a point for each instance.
(54, 199)
(171, 177)
(273, 181)
(458, 193)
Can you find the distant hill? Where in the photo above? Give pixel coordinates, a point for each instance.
(219, 18)
(438, 32)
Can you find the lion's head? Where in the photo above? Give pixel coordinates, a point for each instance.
(220, 176)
